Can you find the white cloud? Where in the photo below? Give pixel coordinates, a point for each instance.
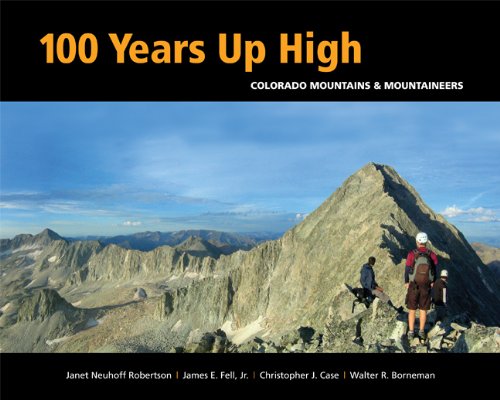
(484, 218)
(475, 198)
(56, 207)
(452, 211)
(300, 216)
(11, 205)
(478, 214)
(132, 223)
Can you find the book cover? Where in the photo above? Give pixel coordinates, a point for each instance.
(204, 193)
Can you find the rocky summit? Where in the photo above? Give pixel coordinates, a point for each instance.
(284, 295)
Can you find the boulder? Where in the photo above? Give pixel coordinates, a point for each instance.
(478, 339)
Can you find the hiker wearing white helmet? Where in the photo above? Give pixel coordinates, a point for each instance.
(422, 238)
(420, 274)
(439, 295)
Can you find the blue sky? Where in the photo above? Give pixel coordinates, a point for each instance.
(115, 168)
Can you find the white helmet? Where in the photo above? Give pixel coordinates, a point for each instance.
(422, 237)
(444, 274)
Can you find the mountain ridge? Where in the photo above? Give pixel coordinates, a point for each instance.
(279, 285)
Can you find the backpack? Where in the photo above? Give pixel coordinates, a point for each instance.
(422, 272)
(363, 296)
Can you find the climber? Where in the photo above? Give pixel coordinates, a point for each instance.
(420, 274)
(439, 295)
(369, 284)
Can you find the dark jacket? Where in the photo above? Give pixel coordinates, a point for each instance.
(367, 279)
(439, 292)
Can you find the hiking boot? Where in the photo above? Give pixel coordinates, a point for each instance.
(411, 336)
(422, 335)
(358, 340)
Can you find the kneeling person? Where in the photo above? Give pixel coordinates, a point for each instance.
(369, 283)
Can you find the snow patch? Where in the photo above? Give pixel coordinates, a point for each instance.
(93, 322)
(34, 254)
(191, 275)
(58, 340)
(29, 284)
(173, 278)
(27, 247)
(39, 282)
(5, 308)
(484, 280)
(52, 282)
(76, 303)
(177, 326)
(241, 335)
(52, 259)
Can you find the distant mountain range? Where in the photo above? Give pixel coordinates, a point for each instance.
(487, 240)
(226, 242)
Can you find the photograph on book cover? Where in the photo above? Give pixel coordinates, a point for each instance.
(260, 227)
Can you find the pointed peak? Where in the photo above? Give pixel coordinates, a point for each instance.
(49, 234)
(373, 195)
(373, 167)
(192, 240)
(197, 246)
(42, 304)
(380, 173)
